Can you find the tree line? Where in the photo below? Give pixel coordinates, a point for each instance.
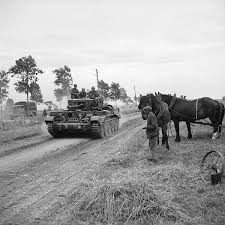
(27, 74)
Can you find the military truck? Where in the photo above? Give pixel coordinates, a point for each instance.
(20, 109)
(87, 116)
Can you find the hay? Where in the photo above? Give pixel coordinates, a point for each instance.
(127, 201)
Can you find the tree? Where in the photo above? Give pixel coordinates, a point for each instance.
(123, 95)
(9, 106)
(114, 91)
(129, 100)
(4, 81)
(27, 71)
(64, 79)
(36, 94)
(103, 89)
(58, 92)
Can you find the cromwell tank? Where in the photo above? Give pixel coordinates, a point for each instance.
(88, 116)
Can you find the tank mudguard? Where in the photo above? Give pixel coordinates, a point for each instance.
(99, 119)
(49, 119)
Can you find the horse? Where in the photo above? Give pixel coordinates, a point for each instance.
(160, 109)
(192, 110)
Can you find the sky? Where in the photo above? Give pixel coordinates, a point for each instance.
(175, 46)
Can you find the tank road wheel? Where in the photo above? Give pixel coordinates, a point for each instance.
(97, 130)
(52, 131)
(212, 166)
(117, 124)
(109, 127)
(106, 128)
(113, 126)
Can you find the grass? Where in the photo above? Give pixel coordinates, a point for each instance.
(129, 190)
(20, 133)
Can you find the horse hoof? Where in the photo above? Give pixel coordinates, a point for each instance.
(215, 136)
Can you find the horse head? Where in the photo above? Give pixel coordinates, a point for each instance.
(158, 105)
(144, 101)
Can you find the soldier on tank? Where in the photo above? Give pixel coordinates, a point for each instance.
(74, 92)
(83, 93)
(92, 93)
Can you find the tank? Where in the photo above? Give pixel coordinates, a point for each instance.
(84, 116)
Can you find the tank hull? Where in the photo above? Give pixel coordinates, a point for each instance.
(94, 123)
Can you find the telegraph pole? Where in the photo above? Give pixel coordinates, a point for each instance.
(97, 77)
(135, 96)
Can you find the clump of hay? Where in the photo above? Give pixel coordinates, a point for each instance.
(127, 202)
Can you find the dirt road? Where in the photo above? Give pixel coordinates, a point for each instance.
(35, 180)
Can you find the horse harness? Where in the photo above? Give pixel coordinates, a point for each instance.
(172, 103)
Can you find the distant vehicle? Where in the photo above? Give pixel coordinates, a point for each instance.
(88, 116)
(20, 109)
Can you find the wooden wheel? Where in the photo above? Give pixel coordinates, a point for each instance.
(212, 164)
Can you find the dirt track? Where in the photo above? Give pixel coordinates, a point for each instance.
(35, 179)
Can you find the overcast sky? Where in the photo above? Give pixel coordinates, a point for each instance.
(175, 46)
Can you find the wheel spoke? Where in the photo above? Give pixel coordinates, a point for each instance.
(209, 172)
(206, 168)
(212, 158)
(217, 160)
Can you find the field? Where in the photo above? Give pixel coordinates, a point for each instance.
(110, 181)
(129, 190)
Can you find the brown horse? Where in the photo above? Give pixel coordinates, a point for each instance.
(190, 111)
(160, 109)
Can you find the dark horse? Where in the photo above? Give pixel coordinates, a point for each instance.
(160, 109)
(190, 111)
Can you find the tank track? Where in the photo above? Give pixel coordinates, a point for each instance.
(108, 127)
(52, 131)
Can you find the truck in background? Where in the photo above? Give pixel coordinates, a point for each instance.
(20, 109)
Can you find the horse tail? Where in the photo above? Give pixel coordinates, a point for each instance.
(220, 114)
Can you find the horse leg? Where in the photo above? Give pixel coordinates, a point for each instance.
(164, 132)
(163, 138)
(176, 124)
(215, 124)
(189, 130)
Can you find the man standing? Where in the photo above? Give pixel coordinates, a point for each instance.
(152, 131)
(74, 92)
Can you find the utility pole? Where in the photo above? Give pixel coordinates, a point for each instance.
(97, 77)
(135, 96)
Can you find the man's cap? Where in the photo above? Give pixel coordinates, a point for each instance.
(148, 107)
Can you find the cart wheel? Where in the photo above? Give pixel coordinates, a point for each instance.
(212, 164)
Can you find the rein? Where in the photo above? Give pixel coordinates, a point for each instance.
(158, 109)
